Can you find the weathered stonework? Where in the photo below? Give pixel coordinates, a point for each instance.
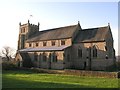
(89, 49)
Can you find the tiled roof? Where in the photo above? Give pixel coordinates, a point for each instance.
(92, 34)
(51, 48)
(56, 33)
(25, 56)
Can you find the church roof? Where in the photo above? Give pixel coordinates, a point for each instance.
(92, 34)
(55, 33)
(25, 56)
(50, 48)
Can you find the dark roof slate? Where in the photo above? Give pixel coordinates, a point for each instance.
(25, 56)
(56, 33)
(92, 34)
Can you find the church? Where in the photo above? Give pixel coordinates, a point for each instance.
(67, 47)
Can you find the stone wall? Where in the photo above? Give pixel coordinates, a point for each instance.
(79, 72)
(102, 64)
(93, 73)
(97, 63)
(46, 64)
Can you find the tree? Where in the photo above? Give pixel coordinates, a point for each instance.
(8, 52)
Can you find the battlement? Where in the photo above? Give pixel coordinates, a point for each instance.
(33, 25)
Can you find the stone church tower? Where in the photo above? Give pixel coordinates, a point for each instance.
(25, 32)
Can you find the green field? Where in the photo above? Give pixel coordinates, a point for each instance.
(28, 79)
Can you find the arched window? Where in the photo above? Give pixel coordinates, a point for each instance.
(106, 48)
(50, 57)
(35, 56)
(54, 57)
(39, 60)
(79, 53)
(40, 57)
(94, 52)
(44, 57)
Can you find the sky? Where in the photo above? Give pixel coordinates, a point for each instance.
(55, 14)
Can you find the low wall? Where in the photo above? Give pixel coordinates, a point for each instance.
(79, 72)
(93, 73)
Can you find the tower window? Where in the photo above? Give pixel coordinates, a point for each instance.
(44, 43)
(53, 43)
(62, 42)
(22, 41)
(22, 30)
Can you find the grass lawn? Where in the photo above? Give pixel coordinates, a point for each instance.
(28, 79)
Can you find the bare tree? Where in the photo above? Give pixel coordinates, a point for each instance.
(8, 52)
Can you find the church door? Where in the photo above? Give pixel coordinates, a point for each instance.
(84, 65)
(89, 59)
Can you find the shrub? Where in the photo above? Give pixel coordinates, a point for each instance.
(111, 68)
(118, 65)
(8, 65)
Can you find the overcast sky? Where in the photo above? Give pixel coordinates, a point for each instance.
(55, 14)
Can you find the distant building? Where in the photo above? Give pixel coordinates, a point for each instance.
(69, 47)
